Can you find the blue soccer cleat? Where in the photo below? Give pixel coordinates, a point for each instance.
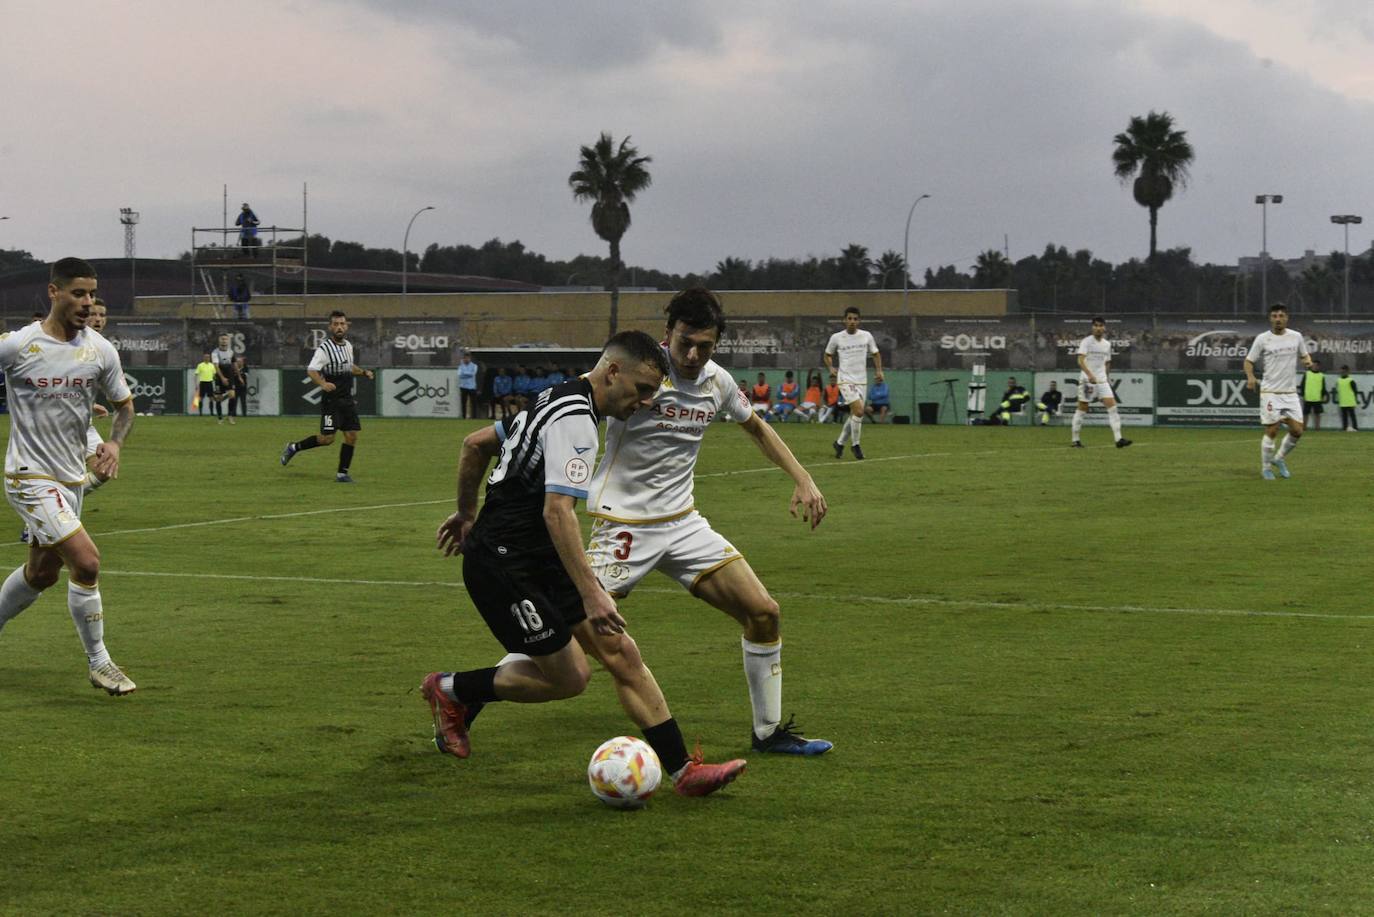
(787, 740)
(1267, 474)
(1282, 468)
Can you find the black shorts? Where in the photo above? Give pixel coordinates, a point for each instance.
(1312, 407)
(339, 415)
(529, 608)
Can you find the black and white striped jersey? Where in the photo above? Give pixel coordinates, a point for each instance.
(550, 447)
(335, 363)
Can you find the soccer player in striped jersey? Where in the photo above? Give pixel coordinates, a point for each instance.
(525, 570)
(55, 368)
(646, 517)
(332, 369)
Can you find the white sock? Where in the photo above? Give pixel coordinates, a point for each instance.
(1114, 419)
(763, 672)
(844, 432)
(1266, 451)
(856, 427)
(15, 595)
(1288, 445)
(92, 482)
(1077, 424)
(89, 617)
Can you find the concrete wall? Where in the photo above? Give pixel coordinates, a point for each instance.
(582, 319)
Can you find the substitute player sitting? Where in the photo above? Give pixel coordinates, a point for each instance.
(1094, 364)
(646, 518)
(1279, 349)
(55, 368)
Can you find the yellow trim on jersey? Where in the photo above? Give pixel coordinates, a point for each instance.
(116, 404)
(16, 478)
(79, 528)
(654, 521)
(712, 569)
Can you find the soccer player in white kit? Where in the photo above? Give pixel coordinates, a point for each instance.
(1279, 349)
(641, 498)
(1094, 364)
(54, 369)
(853, 345)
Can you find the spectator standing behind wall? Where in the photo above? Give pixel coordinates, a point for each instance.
(247, 223)
(240, 294)
(467, 385)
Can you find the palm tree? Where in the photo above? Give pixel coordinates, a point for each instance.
(732, 274)
(1157, 156)
(992, 270)
(610, 177)
(855, 268)
(889, 262)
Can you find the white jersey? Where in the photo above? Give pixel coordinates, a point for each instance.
(1097, 354)
(645, 474)
(853, 350)
(52, 385)
(1279, 353)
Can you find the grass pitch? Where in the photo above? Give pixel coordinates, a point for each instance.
(1096, 681)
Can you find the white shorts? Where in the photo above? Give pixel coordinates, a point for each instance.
(686, 549)
(851, 392)
(1274, 407)
(93, 441)
(1090, 392)
(49, 509)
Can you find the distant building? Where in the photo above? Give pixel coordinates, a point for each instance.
(1293, 267)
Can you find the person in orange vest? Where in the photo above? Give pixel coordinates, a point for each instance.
(832, 400)
(788, 396)
(761, 397)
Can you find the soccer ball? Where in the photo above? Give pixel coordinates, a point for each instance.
(624, 772)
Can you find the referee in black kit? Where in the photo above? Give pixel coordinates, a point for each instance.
(332, 369)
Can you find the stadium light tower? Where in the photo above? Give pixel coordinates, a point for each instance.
(129, 217)
(906, 244)
(1264, 200)
(405, 254)
(1344, 220)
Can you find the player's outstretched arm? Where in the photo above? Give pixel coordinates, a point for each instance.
(805, 494)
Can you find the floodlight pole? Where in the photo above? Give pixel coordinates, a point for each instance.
(1264, 200)
(405, 255)
(1344, 220)
(906, 245)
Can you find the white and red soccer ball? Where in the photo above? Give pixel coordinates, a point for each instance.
(624, 772)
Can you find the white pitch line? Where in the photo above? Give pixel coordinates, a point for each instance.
(714, 474)
(909, 600)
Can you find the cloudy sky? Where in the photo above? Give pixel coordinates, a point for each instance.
(776, 128)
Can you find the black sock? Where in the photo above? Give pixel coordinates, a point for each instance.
(345, 458)
(475, 687)
(219, 409)
(309, 442)
(667, 742)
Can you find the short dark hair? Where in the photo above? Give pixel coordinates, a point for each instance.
(337, 313)
(65, 270)
(1277, 307)
(1099, 320)
(696, 307)
(639, 346)
(853, 309)
(97, 301)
